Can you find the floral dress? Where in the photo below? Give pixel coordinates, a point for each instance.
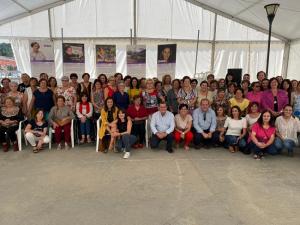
(68, 94)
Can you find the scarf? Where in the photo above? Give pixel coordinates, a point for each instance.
(87, 105)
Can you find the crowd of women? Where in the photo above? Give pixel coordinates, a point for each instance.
(260, 117)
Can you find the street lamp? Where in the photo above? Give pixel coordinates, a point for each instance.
(271, 11)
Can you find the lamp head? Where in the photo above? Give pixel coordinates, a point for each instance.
(271, 10)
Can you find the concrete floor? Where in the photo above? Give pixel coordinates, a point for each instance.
(209, 187)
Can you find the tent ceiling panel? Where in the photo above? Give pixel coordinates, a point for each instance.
(9, 9)
(286, 22)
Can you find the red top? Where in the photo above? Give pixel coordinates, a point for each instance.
(110, 91)
(133, 113)
(263, 135)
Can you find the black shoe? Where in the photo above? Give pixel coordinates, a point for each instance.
(197, 147)
(207, 147)
(170, 150)
(291, 154)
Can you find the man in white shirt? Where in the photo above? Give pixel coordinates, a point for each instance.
(162, 127)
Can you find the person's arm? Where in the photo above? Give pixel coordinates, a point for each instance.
(172, 124)
(225, 127)
(79, 115)
(31, 104)
(105, 93)
(278, 134)
(196, 122)
(74, 99)
(24, 103)
(152, 124)
(188, 126)
(28, 128)
(270, 141)
(90, 114)
(213, 122)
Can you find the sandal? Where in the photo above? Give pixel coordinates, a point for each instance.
(82, 141)
(89, 140)
(231, 149)
(35, 150)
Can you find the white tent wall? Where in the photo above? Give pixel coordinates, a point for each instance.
(157, 22)
(294, 60)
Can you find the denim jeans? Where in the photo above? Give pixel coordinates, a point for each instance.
(125, 141)
(199, 139)
(154, 142)
(85, 128)
(271, 149)
(287, 144)
(231, 140)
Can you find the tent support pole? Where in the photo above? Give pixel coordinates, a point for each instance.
(213, 46)
(197, 47)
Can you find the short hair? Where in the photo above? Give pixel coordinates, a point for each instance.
(85, 74)
(61, 97)
(135, 97)
(271, 80)
(239, 89)
(204, 100)
(250, 106)
(5, 78)
(34, 43)
(194, 80)
(187, 78)
(95, 82)
(157, 82)
(50, 79)
(73, 75)
(183, 105)
(10, 98)
(260, 72)
(41, 80)
(204, 82)
(102, 75)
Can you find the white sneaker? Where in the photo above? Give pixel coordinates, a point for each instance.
(59, 147)
(67, 146)
(126, 155)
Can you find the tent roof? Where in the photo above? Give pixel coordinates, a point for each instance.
(286, 23)
(11, 10)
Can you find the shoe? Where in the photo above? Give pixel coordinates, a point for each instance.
(135, 146)
(141, 146)
(197, 147)
(67, 147)
(16, 147)
(170, 150)
(89, 140)
(231, 149)
(59, 147)
(186, 148)
(35, 149)
(5, 147)
(126, 155)
(82, 141)
(207, 147)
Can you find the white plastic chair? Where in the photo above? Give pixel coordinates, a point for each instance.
(52, 131)
(97, 133)
(19, 135)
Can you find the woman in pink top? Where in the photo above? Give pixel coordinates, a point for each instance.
(274, 99)
(263, 135)
(255, 94)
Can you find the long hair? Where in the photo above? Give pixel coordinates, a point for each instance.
(113, 108)
(125, 117)
(37, 111)
(137, 81)
(260, 119)
(238, 108)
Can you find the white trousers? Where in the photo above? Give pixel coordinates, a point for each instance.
(32, 139)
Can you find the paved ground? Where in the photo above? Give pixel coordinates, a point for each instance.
(209, 187)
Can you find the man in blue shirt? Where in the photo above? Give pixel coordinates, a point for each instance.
(121, 98)
(204, 122)
(162, 127)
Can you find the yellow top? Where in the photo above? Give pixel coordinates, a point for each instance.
(103, 121)
(133, 92)
(242, 105)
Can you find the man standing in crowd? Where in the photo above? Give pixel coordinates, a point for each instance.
(162, 127)
(25, 82)
(204, 121)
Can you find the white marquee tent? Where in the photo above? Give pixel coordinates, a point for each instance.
(232, 33)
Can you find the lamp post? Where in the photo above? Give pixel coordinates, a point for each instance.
(271, 11)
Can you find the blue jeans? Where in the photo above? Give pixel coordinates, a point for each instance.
(287, 144)
(231, 140)
(85, 128)
(271, 149)
(125, 141)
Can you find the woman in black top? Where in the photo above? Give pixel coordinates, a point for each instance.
(36, 131)
(10, 116)
(123, 137)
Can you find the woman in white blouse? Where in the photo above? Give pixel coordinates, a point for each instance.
(286, 131)
(236, 130)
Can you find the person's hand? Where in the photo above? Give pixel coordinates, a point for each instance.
(221, 138)
(83, 119)
(260, 145)
(205, 135)
(55, 125)
(209, 135)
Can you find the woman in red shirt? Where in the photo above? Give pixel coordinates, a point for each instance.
(138, 115)
(263, 135)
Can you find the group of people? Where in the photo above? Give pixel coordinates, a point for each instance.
(260, 117)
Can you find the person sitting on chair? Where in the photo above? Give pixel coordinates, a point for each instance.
(162, 127)
(36, 131)
(60, 118)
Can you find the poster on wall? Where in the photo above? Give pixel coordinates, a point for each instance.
(105, 59)
(166, 60)
(136, 60)
(8, 66)
(42, 58)
(73, 58)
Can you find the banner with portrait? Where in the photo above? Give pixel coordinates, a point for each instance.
(136, 60)
(166, 60)
(8, 66)
(73, 58)
(106, 59)
(42, 58)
